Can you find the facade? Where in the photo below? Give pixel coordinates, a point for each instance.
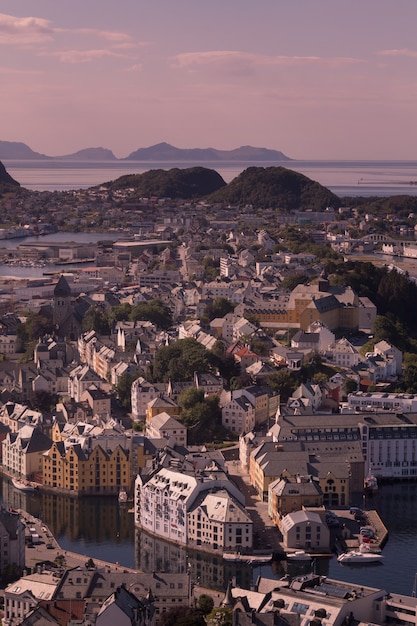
(96, 471)
(305, 530)
(166, 427)
(12, 546)
(216, 521)
(22, 452)
(290, 494)
(238, 415)
(374, 401)
(171, 499)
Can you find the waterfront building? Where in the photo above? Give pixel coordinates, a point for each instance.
(78, 468)
(165, 505)
(15, 416)
(22, 452)
(332, 471)
(12, 542)
(293, 493)
(216, 521)
(305, 530)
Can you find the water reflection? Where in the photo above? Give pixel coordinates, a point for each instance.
(102, 529)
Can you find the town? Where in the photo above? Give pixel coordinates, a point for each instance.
(197, 356)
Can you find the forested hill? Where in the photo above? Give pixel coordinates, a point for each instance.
(279, 187)
(5, 179)
(270, 187)
(190, 183)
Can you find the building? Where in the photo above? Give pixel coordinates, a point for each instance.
(171, 503)
(305, 530)
(79, 469)
(167, 427)
(12, 548)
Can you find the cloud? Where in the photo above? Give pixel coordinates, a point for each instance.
(86, 56)
(24, 30)
(403, 52)
(236, 61)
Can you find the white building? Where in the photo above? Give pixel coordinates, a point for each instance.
(165, 500)
(216, 521)
(163, 426)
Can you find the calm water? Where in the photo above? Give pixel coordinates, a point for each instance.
(102, 529)
(345, 178)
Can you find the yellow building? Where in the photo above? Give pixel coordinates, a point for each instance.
(337, 307)
(87, 472)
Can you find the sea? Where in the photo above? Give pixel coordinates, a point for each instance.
(344, 178)
(100, 528)
(103, 529)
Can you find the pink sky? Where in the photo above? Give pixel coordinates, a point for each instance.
(317, 79)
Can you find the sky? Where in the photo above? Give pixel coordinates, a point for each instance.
(316, 79)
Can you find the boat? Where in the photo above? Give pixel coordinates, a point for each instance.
(359, 557)
(298, 555)
(24, 485)
(122, 496)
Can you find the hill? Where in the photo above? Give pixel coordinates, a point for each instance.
(166, 152)
(276, 187)
(190, 183)
(6, 181)
(89, 154)
(15, 150)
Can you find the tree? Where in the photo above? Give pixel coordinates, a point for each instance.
(349, 386)
(218, 308)
(180, 360)
(205, 603)
(95, 319)
(123, 388)
(283, 381)
(154, 311)
(182, 616)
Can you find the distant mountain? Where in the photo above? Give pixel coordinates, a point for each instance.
(15, 150)
(166, 152)
(5, 179)
(276, 187)
(189, 183)
(89, 154)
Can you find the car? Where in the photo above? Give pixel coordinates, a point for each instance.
(367, 539)
(360, 517)
(49, 546)
(354, 509)
(367, 532)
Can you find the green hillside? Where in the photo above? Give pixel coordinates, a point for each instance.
(190, 183)
(276, 187)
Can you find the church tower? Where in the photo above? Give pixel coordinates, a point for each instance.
(62, 302)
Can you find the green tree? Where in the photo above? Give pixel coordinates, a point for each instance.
(218, 308)
(154, 311)
(349, 386)
(220, 616)
(179, 360)
(283, 381)
(95, 319)
(182, 616)
(205, 603)
(123, 388)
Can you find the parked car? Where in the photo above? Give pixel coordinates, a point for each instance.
(354, 509)
(367, 532)
(368, 539)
